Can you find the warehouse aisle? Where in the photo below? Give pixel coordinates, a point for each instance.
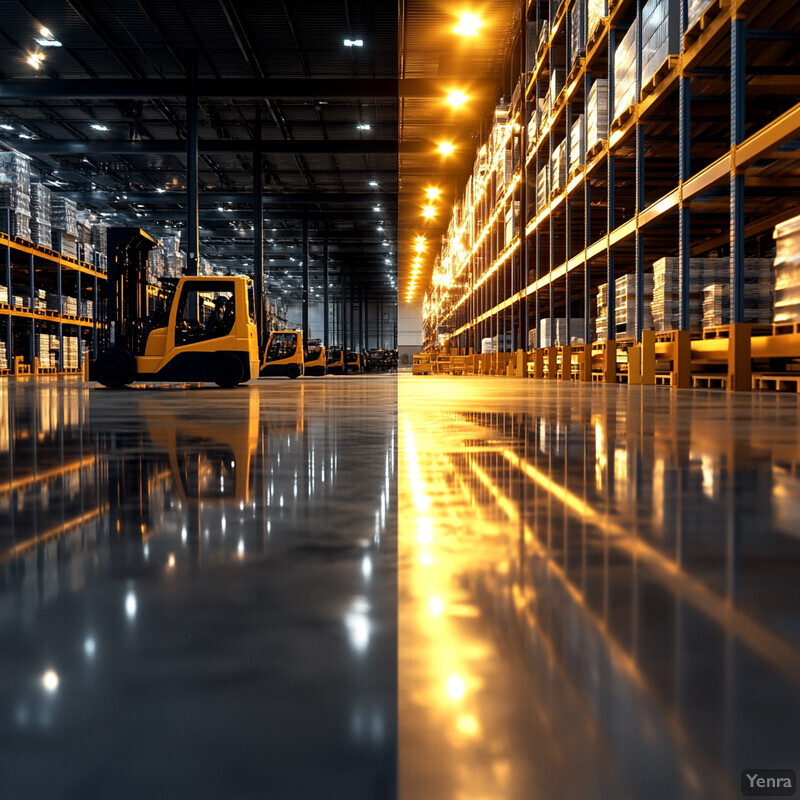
(599, 589)
(198, 590)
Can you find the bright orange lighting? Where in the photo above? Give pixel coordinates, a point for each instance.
(446, 148)
(468, 25)
(456, 99)
(432, 192)
(429, 212)
(420, 244)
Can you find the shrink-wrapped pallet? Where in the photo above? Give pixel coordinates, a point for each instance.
(696, 8)
(15, 189)
(542, 188)
(64, 216)
(560, 334)
(625, 71)
(577, 143)
(597, 12)
(41, 226)
(559, 165)
(597, 113)
(787, 271)
(578, 31)
(661, 34)
(625, 304)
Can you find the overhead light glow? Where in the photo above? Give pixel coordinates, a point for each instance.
(6, 127)
(364, 126)
(35, 60)
(47, 39)
(50, 680)
(456, 99)
(98, 126)
(429, 212)
(468, 25)
(446, 148)
(432, 192)
(353, 42)
(373, 183)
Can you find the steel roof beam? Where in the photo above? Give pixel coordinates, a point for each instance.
(232, 88)
(244, 198)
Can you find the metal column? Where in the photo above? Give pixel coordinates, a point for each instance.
(587, 232)
(611, 177)
(325, 296)
(639, 239)
(365, 301)
(192, 207)
(306, 259)
(684, 173)
(343, 325)
(9, 333)
(258, 227)
(737, 180)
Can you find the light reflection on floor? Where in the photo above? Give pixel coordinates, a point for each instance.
(599, 589)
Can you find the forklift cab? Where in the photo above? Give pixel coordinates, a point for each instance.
(335, 361)
(315, 358)
(283, 355)
(202, 329)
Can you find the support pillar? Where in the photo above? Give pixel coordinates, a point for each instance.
(192, 200)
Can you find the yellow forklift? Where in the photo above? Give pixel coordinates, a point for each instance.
(315, 358)
(283, 355)
(352, 362)
(335, 361)
(203, 329)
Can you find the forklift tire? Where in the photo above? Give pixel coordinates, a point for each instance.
(293, 371)
(226, 370)
(115, 368)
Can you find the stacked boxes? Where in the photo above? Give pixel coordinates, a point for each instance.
(625, 304)
(544, 34)
(578, 31)
(47, 350)
(625, 71)
(64, 216)
(68, 307)
(661, 35)
(99, 241)
(787, 271)
(3, 294)
(85, 218)
(598, 11)
(41, 230)
(597, 113)
(560, 335)
(560, 166)
(601, 321)
(696, 8)
(15, 194)
(3, 356)
(712, 307)
(542, 188)
(512, 222)
(87, 308)
(578, 143)
(70, 353)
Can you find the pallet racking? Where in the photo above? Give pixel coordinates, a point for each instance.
(701, 163)
(31, 272)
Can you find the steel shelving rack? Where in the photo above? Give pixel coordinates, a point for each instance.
(704, 162)
(32, 266)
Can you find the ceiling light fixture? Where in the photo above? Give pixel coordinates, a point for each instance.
(373, 182)
(6, 127)
(353, 42)
(98, 126)
(446, 148)
(364, 126)
(47, 39)
(35, 60)
(432, 192)
(456, 98)
(429, 212)
(468, 25)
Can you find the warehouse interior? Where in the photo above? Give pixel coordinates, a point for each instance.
(399, 399)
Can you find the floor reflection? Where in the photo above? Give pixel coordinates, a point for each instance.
(198, 590)
(599, 591)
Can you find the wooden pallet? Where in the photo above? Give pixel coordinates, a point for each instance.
(777, 382)
(4, 372)
(666, 67)
(723, 331)
(574, 72)
(663, 379)
(576, 170)
(624, 116)
(595, 149)
(595, 35)
(710, 380)
(780, 328)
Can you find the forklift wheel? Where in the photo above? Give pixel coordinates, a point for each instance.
(226, 371)
(114, 368)
(293, 371)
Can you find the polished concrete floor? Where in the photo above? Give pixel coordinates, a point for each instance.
(599, 589)
(588, 591)
(198, 590)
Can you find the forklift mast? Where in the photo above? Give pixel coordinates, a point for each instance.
(128, 249)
